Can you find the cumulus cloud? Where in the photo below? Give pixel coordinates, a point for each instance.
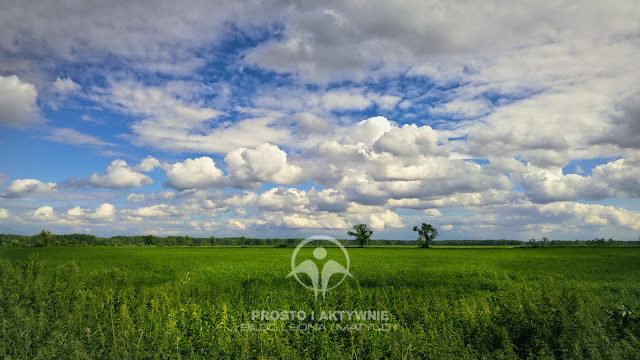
(17, 101)
(4, 213)
(411, 141)
(22, 187)
(151, 211)
(616, 178)
(119, 175)
(266, 163)
(280, 198)
(194, 174)
(622, 175)
(148, 164)
(65, 86)
(103, 212)
(544, 185)
(44, 213)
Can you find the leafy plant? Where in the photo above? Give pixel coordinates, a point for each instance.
(426, 234)
(362, 233)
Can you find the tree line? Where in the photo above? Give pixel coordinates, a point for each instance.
(361, 232)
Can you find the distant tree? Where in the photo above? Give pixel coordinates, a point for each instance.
(149, 239)
(44, 237)
(545, 241)
(426, 234)
(212, 241)
(242, 240)
(361, 232)
(533, 243)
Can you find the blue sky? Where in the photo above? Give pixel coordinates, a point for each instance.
(287, 119)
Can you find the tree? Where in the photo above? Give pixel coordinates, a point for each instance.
(545, 241)
(149, 239)
(212, 241)
(45, 237)
(426, 234)
(361, 232)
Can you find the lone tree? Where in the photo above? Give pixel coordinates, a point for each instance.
(44, 237)
(361, 232)
(426, 234)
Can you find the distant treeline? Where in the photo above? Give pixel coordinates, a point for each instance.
(47, 239)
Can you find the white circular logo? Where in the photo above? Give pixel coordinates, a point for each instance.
(319, 277)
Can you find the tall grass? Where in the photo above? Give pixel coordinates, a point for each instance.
(141, 303)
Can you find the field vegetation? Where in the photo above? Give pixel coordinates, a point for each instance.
(145, 302)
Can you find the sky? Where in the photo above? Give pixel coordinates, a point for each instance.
(487, 119)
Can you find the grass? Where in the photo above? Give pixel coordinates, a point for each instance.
(448, 303)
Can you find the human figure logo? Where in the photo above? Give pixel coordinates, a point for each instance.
(319, 277)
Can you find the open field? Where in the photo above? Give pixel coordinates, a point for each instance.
(182, 302)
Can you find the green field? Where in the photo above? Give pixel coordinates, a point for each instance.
(447, 303)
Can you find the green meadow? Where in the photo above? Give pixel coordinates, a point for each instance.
(191, 303)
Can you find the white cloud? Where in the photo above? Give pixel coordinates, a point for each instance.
(533, 87)
(280, 198)
(306, 221)
(350, 40)
(266, 163)
(432, 212)
(79, 31)
(616, 178)
(174, 121)
(21, 187)
(17, 101)
(119, 175)
(194, 174)
(459, 108)
(74, 137)
(148, 164)
(75, 212)
(308, 122)
(65, 86)
(385, 102)
(340, 100)
(150, 211)
(135, 198)
(622, 175)
(410, 140)
(367, 131)
(103, 212)
(44, 213)
(4, 214)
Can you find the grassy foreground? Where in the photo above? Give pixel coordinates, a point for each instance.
(447, 303)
